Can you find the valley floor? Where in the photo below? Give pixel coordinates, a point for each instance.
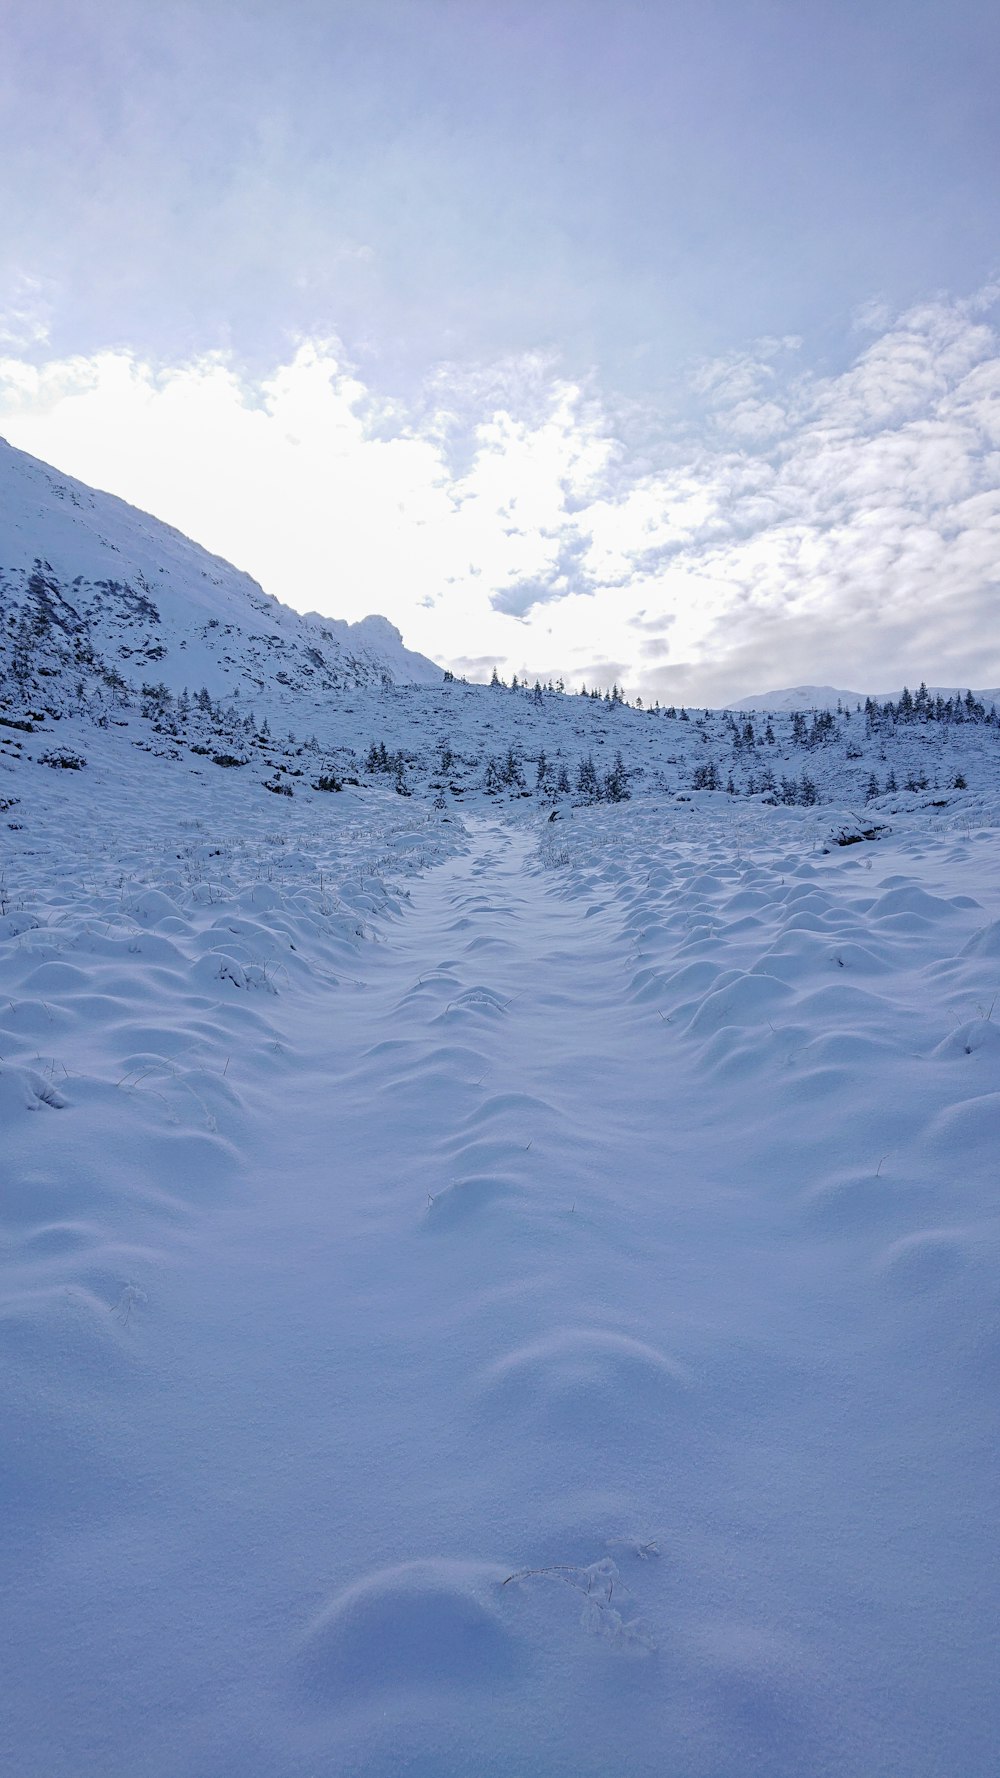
(503, 1300)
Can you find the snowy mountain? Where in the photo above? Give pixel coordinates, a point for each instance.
(800, 697)
(156, 606)
(827, 697)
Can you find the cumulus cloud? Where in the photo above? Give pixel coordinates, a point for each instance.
(837, 528)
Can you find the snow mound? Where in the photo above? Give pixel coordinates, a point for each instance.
(428, 1623)
(577, 1379)
(985, 943)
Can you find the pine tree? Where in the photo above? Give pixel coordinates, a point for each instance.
(616, 782)
(511, 770)
(586, 779)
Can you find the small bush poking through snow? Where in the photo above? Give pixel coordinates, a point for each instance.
(61, 759)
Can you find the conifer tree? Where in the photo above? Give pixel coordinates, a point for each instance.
(616, 782)
(586, 779)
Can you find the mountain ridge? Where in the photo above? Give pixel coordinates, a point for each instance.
(148, 596)
(827, 697)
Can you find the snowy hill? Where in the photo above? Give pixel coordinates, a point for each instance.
(152, 603)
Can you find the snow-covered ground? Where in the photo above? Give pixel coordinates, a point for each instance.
(490, 1295)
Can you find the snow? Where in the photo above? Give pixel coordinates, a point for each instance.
(493, 1295)
(495, 1283)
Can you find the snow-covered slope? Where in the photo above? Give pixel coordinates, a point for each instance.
(152, 603)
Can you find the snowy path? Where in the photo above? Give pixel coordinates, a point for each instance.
(549, 1240)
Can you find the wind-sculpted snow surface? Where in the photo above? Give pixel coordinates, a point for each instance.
(494, 1299)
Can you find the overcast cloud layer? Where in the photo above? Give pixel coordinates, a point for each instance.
(839, 529)
(592, 337)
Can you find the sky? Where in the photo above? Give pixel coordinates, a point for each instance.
(656, 343)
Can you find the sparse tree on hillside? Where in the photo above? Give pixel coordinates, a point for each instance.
(616, 782)
(586, 779)
(511, 770)
(492, 780)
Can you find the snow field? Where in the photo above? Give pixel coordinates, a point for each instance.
(498, 1299)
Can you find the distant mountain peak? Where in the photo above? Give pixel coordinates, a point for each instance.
(800, 697)
(827, 697)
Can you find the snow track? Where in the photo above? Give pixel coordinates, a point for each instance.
(557, 1338)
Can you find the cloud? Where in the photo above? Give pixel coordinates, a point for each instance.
(522, 596)
(837, 528)
(873, 316)
(602, 673)
(26, 307)
(653, 625)
(473, 666)
(566, 571)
